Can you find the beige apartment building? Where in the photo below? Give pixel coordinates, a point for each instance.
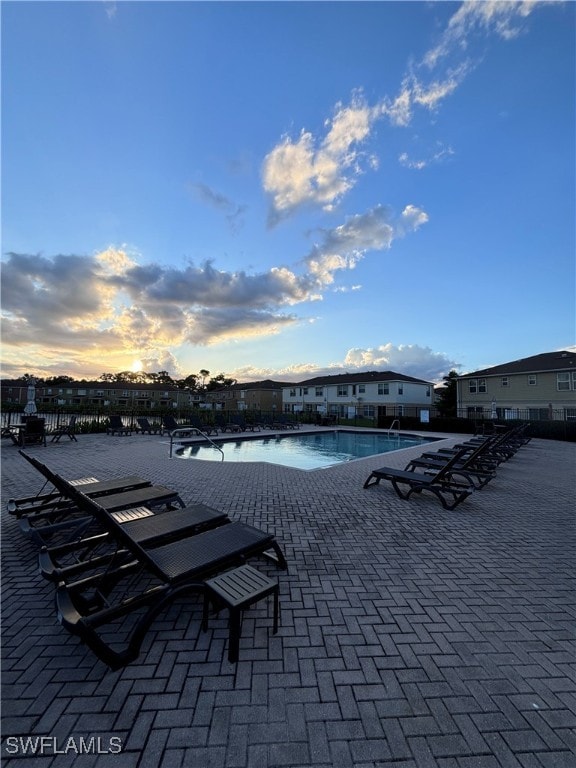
(542, 387)
(254, 396)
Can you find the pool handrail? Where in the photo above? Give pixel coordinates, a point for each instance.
(187, 430)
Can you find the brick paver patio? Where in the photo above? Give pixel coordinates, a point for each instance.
(410, 636)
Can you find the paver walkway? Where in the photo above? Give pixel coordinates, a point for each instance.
(410, 636)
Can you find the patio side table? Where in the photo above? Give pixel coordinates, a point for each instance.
(238, 589)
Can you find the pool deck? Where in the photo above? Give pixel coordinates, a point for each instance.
(410, 636)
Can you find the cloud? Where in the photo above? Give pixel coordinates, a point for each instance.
(307, 171)
(488, 17)
(233, 211)
(409, 359)
(441, 154)
(344, 246)
(110, 309)
(319, 171)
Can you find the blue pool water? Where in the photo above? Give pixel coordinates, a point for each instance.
(307, 451)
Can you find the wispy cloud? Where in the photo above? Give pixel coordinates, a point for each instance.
(233, 212)
(310, 171)
(344, 246)
(442, 153)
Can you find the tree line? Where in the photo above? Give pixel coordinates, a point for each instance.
(195, 382)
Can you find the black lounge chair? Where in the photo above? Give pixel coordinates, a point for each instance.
(117, 426)
(66, 562)
(472, 467)
(169, 424)
(65, 430)
(63, 517)
(449, 492)
(150, 581)
(32, 432)
(144, 427)
(231, 426)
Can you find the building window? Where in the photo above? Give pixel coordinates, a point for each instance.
(384, 389)
(293, 392)
(305, 391)
(570, 414)
(532, 380)
(562, 382)
(400, 389)
(473, 386)
(361, 389)
(481, 385)
(504, 381)
(342, 390)
(319, 392)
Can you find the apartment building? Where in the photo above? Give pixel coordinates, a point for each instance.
(94, 394)
(532, 388)
(370, 395)
(256, 395)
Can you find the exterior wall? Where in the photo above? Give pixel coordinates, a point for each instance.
(357, 398)
(512, 393)
(238, 399)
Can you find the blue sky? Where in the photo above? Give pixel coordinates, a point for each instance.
(283, 190)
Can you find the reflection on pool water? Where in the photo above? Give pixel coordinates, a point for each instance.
(307, 451)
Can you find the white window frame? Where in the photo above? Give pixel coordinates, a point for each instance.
(342, 390)
(563, 379)
(532, 380)
(504, 381)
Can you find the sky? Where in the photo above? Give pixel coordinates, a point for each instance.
(286, 189)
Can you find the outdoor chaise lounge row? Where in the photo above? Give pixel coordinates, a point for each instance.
(121, 551)
(455, 473)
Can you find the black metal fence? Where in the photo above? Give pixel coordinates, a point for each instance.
(97, 419)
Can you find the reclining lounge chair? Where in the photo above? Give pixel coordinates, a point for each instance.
(472, 467)
(65, 430)
(149, 580)
(62, 514)
(144, 427)
(116, 425)
(449, 492)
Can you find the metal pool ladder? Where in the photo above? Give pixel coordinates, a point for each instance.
(187, 431)
(391, 427)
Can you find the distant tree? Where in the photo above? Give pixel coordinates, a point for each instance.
(218, 382)
(204, 374)
(27, 376)
(190, 382)
(54, 380)
(447, 400)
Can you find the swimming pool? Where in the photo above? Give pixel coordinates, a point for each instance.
(307, 451)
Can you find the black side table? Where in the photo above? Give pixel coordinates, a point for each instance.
(238, 589)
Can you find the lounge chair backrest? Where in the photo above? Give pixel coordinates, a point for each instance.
(42, 468)
(116, 421)
(108, 522)
(441, 474)
(169, 422)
